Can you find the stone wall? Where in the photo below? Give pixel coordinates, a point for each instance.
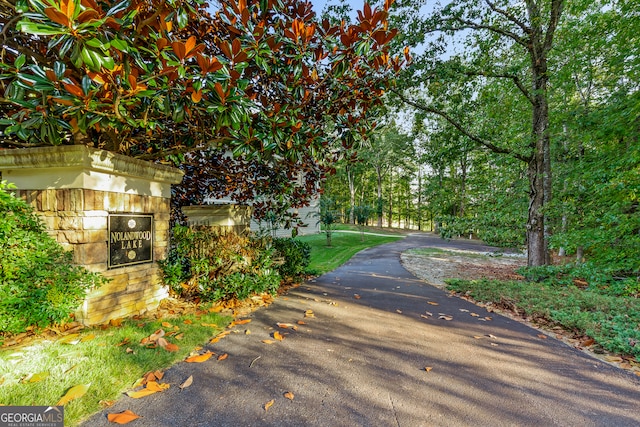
(94, 185)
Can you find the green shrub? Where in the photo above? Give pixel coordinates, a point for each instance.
(295, 255)
(212, 265)
(39, 286)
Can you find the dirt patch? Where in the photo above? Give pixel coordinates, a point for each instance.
(435, 267)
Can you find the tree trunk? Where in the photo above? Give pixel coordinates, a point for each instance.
(379, 188)
(352, 195)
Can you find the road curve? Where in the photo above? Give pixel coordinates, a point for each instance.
(385, 349)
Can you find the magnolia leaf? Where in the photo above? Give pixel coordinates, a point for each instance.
(269, 404)
(88, 337)
(199, 358)
(156, 386)
(171, 347)
(186, 383)
(35, 377)
(287, 326)
(74, 392)
(123, 417)
(289, 395)
(140, 393)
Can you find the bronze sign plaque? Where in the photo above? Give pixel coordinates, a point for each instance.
(130, 239)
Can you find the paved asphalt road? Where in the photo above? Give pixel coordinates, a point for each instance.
(361, 362)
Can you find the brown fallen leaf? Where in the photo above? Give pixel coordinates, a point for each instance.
(478, 337)
(186, 383)
(356, 296)
(277, 336)
(199, 358)
(115, 322)
(588, 342)
(288, 395)
(268, 341)
(301, 322)
(123, 417)
(223, 356)
(287, 326)
(445, 317)
(74, 392)
(171, 347)
(492, 336)
(167, 325)
(428, 368)
(239, 322)
(106, 403)
(187, 321)
(432, 303)
(309, 313)
(474, 314)
(542, 336)
(269, 404)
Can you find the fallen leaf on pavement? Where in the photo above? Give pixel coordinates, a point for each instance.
(239, 322)
(478, 337)
(277, 336)
(428, 368)
(309, 313)
(542, 336)
(123, 417)
(268, 341)
(433, 303)
(356, 296)
(287, 326)
(288, 395)
(445, 317)
(223, 356)
(474, 314)
(399, 311)
(186, 383)
(199, 358)
(301, 322)
(269, 404)
(492, 336)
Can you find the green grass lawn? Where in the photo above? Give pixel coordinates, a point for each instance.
(108, 360)
(343, 247)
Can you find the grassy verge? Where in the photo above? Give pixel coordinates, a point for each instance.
(110, 360)
(343, 247)
(613, 322)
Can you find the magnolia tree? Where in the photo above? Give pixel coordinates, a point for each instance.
(255, 99)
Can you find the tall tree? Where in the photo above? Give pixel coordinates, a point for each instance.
(505, 40)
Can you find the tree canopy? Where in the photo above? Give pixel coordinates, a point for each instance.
(259, 80)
